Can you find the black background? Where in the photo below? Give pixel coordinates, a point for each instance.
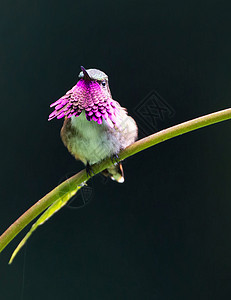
(164, 233)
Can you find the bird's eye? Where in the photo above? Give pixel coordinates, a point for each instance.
(103, 83)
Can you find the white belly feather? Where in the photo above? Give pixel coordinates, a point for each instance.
(99, 141)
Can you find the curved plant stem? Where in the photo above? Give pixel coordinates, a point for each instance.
(69, 185)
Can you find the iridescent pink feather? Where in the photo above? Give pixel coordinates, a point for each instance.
(87, 96)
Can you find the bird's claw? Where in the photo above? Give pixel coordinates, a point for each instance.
(115, 159)
(89, 170)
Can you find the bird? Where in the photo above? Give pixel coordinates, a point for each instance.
(95, 125)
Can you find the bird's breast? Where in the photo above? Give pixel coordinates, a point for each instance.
(89, 141)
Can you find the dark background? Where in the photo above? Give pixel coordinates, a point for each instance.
(164, 233)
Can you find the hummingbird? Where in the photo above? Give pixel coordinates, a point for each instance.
(95, 125)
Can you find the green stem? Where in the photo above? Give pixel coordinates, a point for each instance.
(79, 178)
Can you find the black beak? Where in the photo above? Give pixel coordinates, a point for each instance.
(85, 74)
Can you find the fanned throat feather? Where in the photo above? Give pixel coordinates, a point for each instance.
(86, 96)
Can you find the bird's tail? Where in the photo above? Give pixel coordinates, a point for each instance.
(115, 172)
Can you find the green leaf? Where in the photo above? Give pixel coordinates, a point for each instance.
(51, 210)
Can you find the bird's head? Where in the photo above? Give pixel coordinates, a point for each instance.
(96, 76)
(92, 95)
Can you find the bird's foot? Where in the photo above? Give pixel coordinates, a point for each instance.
(115, 159)
(89, 170)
